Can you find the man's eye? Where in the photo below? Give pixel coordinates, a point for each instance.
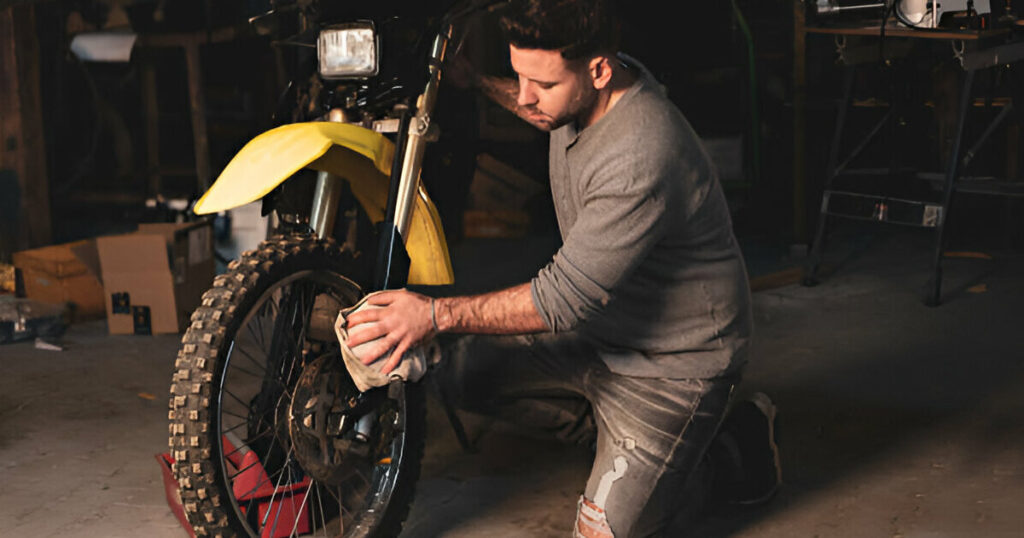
(546, 85)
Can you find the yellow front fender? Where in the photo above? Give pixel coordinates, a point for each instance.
(361, 156)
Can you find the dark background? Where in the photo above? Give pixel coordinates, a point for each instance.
(95, 136)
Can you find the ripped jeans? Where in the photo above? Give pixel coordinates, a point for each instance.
(650, 434)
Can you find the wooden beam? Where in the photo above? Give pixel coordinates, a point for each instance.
(191, 43)
(151, 116)
(197, 105)
(800, 235)
(22, 144)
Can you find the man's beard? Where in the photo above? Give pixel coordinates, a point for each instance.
(580, 107)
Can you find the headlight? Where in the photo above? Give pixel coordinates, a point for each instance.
(348, 50)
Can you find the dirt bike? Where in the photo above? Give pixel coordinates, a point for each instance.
(269, 434)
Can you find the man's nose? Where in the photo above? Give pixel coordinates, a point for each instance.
(526, 96)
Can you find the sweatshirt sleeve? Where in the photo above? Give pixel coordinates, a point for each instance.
(624, 214)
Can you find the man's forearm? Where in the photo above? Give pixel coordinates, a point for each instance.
(509, 311)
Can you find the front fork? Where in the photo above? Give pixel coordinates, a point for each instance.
(393, 261)
(414, 134)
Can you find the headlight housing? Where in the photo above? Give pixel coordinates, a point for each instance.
(348, 51)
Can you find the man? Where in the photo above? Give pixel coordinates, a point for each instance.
(638, 327)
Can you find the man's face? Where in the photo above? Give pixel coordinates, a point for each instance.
(552, 91)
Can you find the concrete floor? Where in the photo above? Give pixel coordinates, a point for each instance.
(896, 420)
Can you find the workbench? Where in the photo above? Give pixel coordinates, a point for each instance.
(870, 47)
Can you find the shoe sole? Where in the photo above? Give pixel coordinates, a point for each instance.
(765, 405)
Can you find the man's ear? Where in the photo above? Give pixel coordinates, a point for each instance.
(600, 69)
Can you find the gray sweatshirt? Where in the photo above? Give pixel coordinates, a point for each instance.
(649, 268)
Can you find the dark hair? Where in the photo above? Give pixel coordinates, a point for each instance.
(577, 28)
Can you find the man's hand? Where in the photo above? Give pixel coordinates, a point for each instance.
(403, 322)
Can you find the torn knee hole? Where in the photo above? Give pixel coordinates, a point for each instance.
(591, 521)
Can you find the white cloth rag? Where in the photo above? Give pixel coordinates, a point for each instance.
(367, 376)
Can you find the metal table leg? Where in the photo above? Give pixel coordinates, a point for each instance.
(831, 171)
(934, 286)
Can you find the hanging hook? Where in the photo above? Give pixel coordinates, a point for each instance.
(958, 50)
(840, 49)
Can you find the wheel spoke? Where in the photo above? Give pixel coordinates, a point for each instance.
(244, 469)
(235, 398)
(341, 505)
(273, 494)
(291, 500)
(300, 315)
(296, 350)
(257, 335)
(283, 325)
(276, 380)
(246, 372)
(236, 415)
(255, 488)
(323, 515)
(270, 478)
(362, 476)
(250, 440)
(336, 497)
(259, 323)
(298, 513)
(252, 359)
(270, 449)
(233, 428)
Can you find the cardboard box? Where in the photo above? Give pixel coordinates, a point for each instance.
(57, 274)
(145, 282)
(154, 278)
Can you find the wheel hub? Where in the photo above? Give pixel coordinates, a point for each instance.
(318, 417)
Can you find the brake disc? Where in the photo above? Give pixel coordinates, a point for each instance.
(319, 418)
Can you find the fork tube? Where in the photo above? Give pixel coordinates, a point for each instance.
(325, 204)
(326, 194)
(415, 140)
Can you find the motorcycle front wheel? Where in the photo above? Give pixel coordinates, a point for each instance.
(269, 435)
